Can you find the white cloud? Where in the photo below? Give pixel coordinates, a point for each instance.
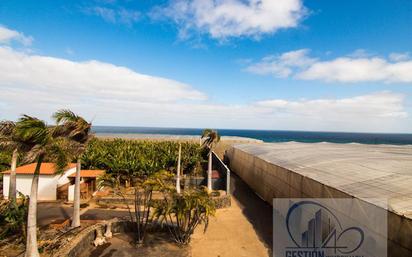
(86, 80)
(397, 57)
(348, 69)
(8, 35)
(372, 106)
(115, 15)
(282, 66)
(107, 14)
(233, 18)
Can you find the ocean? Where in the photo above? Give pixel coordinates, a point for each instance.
(268, 135)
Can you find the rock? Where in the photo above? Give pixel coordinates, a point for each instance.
(100, 240)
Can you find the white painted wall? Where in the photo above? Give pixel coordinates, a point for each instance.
(6, 182)
(47, 184)
(71, 193)
(62, 179)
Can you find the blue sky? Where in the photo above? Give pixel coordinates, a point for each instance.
(260, 64)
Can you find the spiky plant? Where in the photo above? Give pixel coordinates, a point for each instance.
(143, 191)
(182, 213)
(76, 129)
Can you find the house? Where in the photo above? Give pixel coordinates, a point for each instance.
(52, 186)
(87, 183)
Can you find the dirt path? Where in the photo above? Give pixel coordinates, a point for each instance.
(244, 229)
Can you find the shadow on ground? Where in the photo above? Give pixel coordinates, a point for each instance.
(101, 214)
(257, 211)
(50, 212)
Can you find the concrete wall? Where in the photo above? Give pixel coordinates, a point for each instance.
(271, 181)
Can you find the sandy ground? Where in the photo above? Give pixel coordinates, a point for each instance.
(244, 229)
(229, 234)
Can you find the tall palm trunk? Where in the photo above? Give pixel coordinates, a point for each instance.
(12, 184)
(209, 171)
(76, 202)
(31, 241)
(178, 169)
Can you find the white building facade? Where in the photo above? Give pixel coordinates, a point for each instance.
(49, 181)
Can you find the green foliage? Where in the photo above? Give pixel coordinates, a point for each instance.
(182, 213)
(142, 192)
(73, 127)
(210, 138)
(5, 160)
(37, 142)
(128, 159)
(13, 215)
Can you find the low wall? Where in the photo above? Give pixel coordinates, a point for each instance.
(271, 181)
(222, 201)
(83, 242)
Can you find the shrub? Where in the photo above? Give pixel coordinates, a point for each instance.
(142, 191)
(13, 216)
(182, 213)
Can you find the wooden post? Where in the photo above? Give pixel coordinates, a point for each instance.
(178, 169)
(227, 181)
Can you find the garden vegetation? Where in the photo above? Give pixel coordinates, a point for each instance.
(130, 159)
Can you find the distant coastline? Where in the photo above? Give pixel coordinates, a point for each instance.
(143, 136)
(269, 136)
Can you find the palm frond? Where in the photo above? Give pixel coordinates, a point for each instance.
(7, 128)
(210, 137)
(206, 132)
(31, 130)
(60, 150)
(72, 126)
(65, 115)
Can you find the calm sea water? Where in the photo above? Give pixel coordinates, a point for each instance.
(271, 135)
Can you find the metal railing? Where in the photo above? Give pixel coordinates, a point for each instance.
(223, 170)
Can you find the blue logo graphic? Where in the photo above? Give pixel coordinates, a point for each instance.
(322, 235)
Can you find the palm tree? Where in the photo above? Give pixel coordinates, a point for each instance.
(76, 129)
(7, 130)
(210, 139)
(39, 144)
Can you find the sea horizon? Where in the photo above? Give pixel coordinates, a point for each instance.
(268, 136)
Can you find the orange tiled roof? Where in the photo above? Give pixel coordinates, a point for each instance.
(46, 168)
(88, 173)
